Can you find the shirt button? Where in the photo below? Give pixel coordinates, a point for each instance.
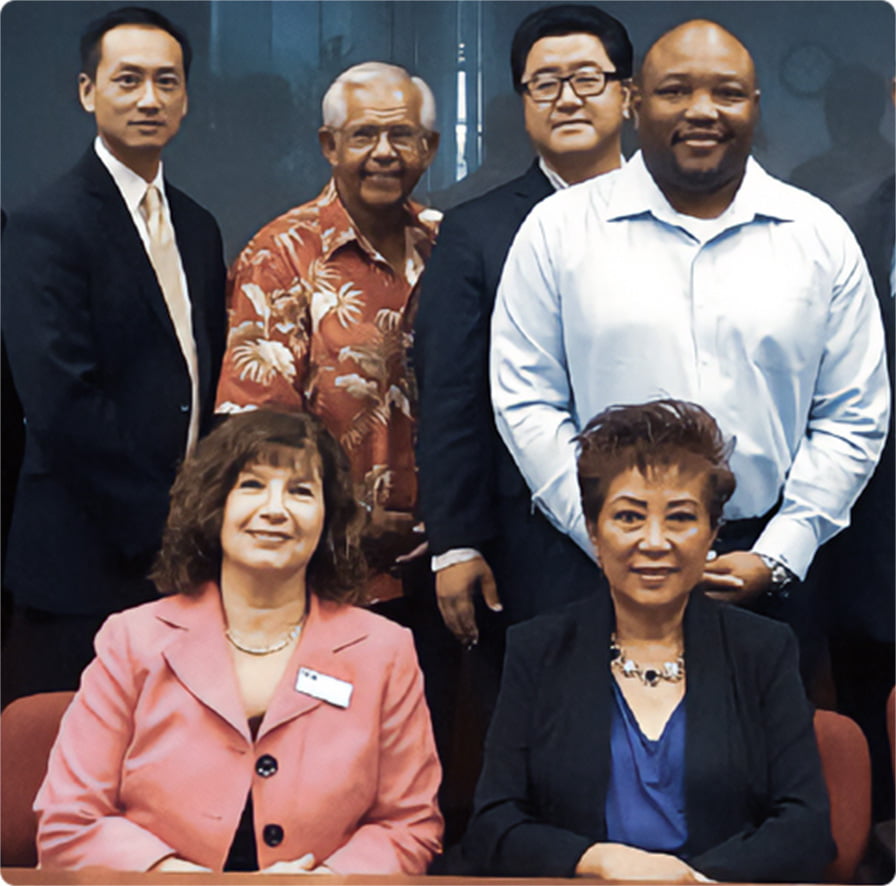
(272, 834)
(266, 766)
(184, 407)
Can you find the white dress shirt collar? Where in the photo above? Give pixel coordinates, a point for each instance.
(132, 186)
(557, 181)
(636, 192)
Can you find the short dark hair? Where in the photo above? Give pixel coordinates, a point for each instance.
(93, 34)
(570, 18)
(661, 433)
(191, 543)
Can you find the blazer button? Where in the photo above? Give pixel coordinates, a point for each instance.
(266, 765)
(272, 834)
(184, 407)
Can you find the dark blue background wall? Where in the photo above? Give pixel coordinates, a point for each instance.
(248, 149)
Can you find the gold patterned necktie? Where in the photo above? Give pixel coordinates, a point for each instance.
(166, 263)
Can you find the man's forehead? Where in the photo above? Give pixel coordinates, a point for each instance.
(383, 98)
(698, 46)
(131, 43)
(558, 48)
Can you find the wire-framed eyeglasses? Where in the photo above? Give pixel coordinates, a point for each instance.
(544, 88)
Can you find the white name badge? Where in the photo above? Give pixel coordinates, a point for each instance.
(326, 688)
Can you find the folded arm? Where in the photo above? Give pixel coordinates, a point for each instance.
(793, 839)
(505, 836)
(80, 819)
(402, 830)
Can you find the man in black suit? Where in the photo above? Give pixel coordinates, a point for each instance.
(570, 65)
(113, 317)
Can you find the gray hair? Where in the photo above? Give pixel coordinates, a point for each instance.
(334, 102)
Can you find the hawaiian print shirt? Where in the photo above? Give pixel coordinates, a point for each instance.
(319, 322)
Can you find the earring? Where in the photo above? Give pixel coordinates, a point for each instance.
(626, 113)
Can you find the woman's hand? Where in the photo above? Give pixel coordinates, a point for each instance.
(303, 865)
(175, 864)
(615, 861)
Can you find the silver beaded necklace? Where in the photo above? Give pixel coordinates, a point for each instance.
(671, 671)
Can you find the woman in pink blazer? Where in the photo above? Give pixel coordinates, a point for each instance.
(253, 719)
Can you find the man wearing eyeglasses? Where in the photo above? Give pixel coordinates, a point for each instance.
(693, 273)
(318, 300)
(570, 65)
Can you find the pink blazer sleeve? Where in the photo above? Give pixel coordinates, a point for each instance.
(402, 831)
(80, 821)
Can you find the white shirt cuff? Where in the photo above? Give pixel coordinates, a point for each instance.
(453, 557)
(789, 541)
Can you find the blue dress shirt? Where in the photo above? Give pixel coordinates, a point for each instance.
(765, 316)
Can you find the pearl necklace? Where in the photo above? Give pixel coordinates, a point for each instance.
(672, 671)
(266, 650)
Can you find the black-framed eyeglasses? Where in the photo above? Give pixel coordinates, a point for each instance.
(544, 88)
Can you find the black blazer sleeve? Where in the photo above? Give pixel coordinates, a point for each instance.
(455, 448)
(510, 834)
(789, 837)
(458, 448)
(756, 802)
(49, 330)
(94, 356)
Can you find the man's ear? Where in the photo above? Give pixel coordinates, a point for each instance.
(627, 99)
(634, 101)
(430, 141)
(86, 90)
(327, 141)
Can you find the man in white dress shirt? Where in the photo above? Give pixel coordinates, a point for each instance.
(694, 274)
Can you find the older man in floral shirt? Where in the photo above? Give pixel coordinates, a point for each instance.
(319, 299)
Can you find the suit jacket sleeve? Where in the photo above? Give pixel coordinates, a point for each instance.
(792, 840)
(79, 815)
(402, 830)
(504, 837)
(455, 449)
(50, 331)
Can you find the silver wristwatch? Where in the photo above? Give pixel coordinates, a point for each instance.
(781, 575)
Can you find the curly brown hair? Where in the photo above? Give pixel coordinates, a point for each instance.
(661, 433)
(191, 543)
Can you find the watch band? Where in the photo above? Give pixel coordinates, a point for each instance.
(781, 575)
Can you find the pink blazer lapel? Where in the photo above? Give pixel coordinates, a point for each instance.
(199, 657)
(329, 629)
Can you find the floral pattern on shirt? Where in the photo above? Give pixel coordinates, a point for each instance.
(320, 322)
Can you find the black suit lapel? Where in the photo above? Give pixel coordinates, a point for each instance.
(533, 186)
(584, 693)
(709, 713)
(121, 241)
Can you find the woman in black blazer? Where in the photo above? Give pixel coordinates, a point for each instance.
(652, 734)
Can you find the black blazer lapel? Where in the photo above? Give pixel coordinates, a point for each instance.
(711, 728)
(533, 186)
(583, 692)
(114, 227)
